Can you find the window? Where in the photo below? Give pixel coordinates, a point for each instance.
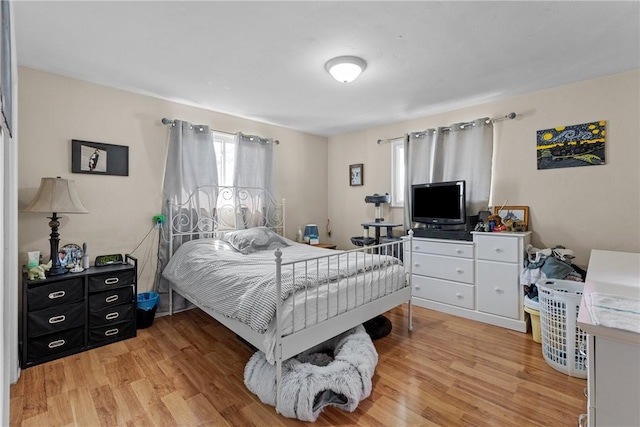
(225, 147)
(397, 173)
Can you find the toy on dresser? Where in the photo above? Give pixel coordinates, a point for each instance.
(494, 223)
(38, 272)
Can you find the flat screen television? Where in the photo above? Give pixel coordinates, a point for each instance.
(439, 203)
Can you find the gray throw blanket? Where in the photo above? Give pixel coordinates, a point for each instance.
(315, 379)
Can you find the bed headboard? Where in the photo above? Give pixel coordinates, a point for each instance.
(210, 211)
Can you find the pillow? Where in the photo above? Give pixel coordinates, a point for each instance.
(254, 239)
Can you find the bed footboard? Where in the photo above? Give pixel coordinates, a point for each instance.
(335, 293)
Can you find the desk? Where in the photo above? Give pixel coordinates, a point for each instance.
(377, 226)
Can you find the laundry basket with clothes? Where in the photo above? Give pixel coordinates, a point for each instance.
(548, 263)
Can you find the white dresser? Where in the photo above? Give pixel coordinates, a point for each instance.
(613, 355)
(478, 280)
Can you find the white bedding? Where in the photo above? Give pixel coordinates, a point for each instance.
(243, 287)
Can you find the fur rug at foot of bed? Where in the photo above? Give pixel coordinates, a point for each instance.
(335, 373)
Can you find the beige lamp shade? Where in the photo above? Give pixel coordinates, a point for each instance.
(56, 195)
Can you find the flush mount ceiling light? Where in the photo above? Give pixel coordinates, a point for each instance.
(345, 69)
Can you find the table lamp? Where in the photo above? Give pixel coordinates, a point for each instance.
(56, 195)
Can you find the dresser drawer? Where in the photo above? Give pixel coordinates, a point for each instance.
(498, 248)
(458, 294)
(111, 315)
(498, 289)
(117, 279)
(56, 343)
(52, 294)
(111, 298)
(115, 332)
(454, 249)
(55, 319)
(448, 268)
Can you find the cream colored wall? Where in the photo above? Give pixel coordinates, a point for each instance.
(53, 110)
(582, 208)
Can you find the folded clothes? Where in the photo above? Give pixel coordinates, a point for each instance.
(614, 311)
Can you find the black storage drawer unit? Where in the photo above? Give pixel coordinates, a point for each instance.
(56, 319)
(117, 279)
(111, 333)
(111, 315)
(74, 312)
(112, 298)
(57, 293)
(49, 347)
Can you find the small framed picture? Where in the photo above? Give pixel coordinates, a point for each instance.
(356, 174)
(518, 214)
(98, 158)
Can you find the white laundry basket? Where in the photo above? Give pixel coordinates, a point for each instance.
(563, 342)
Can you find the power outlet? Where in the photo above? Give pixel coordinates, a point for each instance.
(158, 220)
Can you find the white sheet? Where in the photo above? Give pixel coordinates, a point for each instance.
(614, 311)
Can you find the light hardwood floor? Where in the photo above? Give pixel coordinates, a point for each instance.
(187, 370)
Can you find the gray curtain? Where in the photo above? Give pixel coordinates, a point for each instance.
(191, 163)
(461, 151)
(254, 168)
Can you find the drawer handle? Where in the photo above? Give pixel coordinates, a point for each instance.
(112, 316)
(458, 295)
(498, 250)
(459, 270)
(58, 343)
(111, 281)
(416, 265)
(416, 247)
(110, 332)
(498, 290)
(57, 319)
(416, 287)
(57, 294)
(111, 298)
(458, 251)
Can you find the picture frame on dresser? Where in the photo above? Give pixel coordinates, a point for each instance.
(518, 214)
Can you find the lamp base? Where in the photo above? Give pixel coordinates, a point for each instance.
(56, 271)
(54, 239)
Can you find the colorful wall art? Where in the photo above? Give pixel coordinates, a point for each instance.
(570, 146)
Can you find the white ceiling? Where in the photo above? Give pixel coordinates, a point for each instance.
(265, 60)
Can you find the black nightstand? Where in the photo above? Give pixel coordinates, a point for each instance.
(74, 312)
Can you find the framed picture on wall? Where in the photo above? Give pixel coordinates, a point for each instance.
(355, 174)
(98, 158)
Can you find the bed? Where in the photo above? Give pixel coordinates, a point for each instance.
(230, 259)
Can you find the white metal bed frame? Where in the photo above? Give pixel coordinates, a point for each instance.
(210, 211)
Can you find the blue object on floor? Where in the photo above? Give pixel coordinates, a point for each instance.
(148, 300)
